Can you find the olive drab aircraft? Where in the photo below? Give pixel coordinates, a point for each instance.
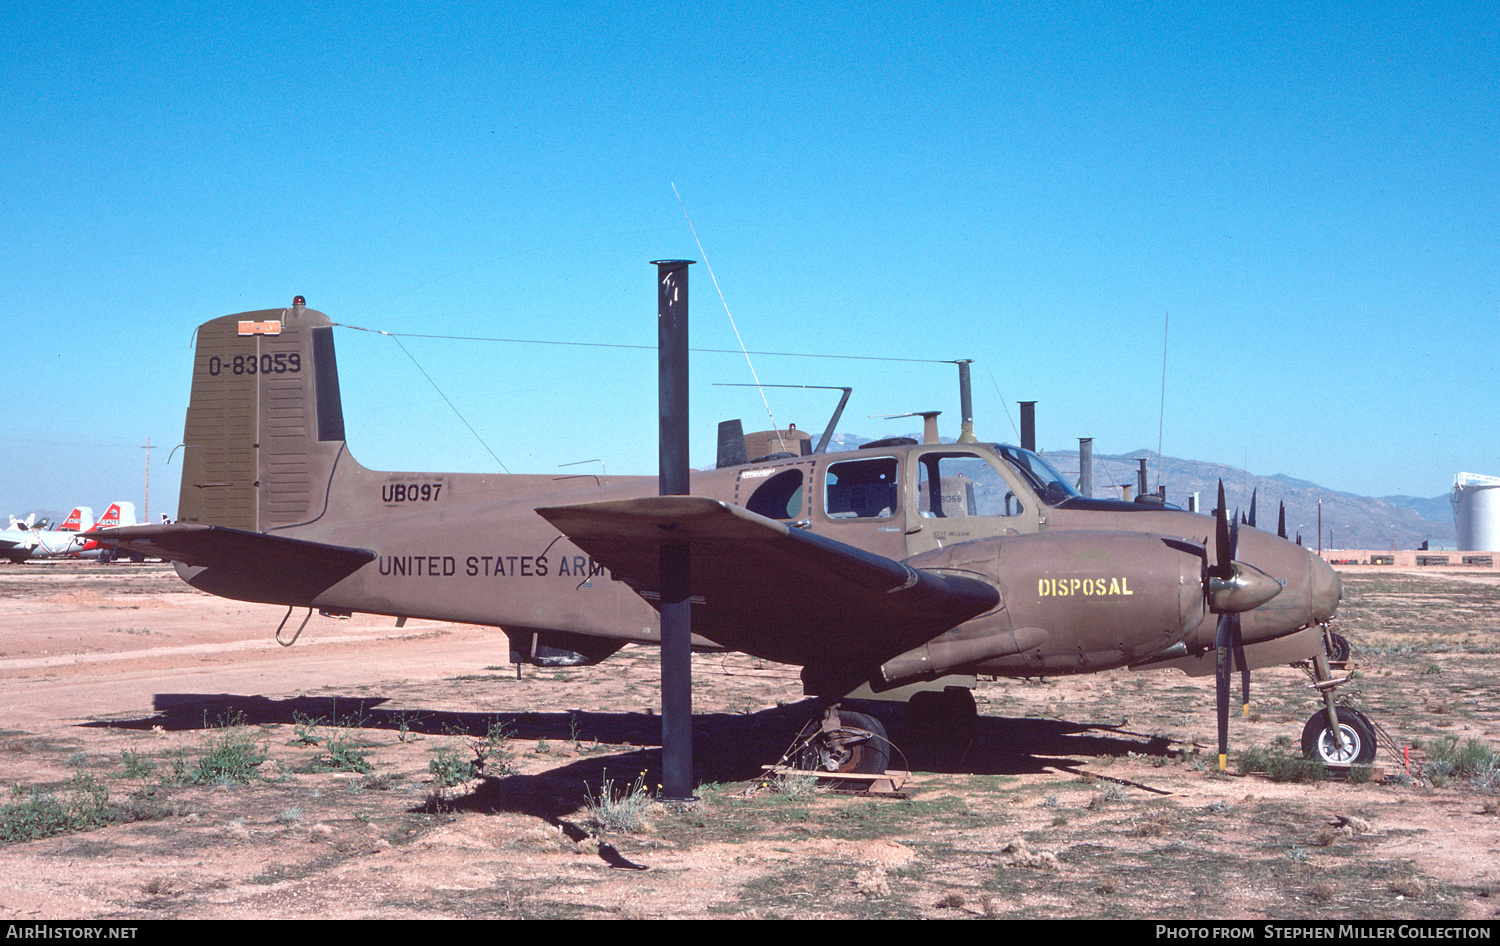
(899, 570)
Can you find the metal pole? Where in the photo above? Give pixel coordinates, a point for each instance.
(965, 404)
(676, 603)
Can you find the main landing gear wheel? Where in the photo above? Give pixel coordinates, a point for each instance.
(1359, 739)
(857, 746)
(1338, 648)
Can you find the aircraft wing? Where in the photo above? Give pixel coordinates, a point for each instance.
(767, 589)
(257, 566)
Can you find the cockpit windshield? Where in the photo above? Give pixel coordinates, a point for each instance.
(1049, 484)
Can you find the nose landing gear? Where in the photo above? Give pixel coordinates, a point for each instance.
(1337, 735)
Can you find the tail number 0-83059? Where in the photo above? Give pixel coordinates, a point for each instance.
(279, 363)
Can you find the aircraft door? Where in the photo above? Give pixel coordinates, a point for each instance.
(960, 496)
(860, 504)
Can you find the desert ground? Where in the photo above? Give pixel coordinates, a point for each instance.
(195, 768)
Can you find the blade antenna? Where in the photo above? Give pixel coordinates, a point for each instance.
(1161, 425)
(709, 266)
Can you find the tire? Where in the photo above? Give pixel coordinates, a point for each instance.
(859, 746)
(1338, 648)
(1359, 739)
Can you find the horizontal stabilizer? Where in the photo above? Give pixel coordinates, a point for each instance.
(251, 566)
(770, 590)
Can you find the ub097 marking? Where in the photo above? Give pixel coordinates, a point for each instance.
(279, 363)
(392, 493)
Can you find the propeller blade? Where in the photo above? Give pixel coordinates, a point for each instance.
(1281, 522)
(1221, 686)
(1242, 663)
(1224, 565)
(1251, 520)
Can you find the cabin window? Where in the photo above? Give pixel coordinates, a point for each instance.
(861, 489)
(958, 485)
(779, 497)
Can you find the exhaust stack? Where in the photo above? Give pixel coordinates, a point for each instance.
(1086, 466)
(1028, 426)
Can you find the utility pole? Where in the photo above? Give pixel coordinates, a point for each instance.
(146, 513)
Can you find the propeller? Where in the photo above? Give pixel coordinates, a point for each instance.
(1281, 522)
(1232, 587)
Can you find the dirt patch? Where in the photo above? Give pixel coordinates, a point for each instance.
(1078, 797)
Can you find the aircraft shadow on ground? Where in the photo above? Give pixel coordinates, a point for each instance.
(728, 747)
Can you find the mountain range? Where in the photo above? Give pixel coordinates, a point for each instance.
(1349, 521)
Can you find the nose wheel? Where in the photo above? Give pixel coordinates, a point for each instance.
(1354, 742)
(1356, 745)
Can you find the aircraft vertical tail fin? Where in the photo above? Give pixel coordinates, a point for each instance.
(81, 519)
(265, 424)
(118, 514)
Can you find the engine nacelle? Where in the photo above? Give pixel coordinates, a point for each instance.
(1070, 602)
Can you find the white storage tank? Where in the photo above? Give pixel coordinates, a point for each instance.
(1476, 511)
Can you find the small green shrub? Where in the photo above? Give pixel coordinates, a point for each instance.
(230, 757)
(1448, 758)
(136, 765)
(44, 815)
(621, 810)
(1280, 766)
(341, 755)
(451, 767)
(795, 784)
(304, 730)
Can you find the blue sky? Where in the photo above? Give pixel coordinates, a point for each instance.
(1309, 192)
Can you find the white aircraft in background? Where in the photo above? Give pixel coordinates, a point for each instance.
(21, 542)
(118, 514)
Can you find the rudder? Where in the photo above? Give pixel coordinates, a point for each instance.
(265, 424)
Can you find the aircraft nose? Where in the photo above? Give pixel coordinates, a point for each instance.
(1327, 589)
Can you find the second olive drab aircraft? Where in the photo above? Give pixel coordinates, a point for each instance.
(896, 569)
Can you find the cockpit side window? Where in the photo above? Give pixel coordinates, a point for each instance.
(959, 485)
(779, 497)
(1049, 484)
(861, 489)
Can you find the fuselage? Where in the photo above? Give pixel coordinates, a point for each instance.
(471, 548)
